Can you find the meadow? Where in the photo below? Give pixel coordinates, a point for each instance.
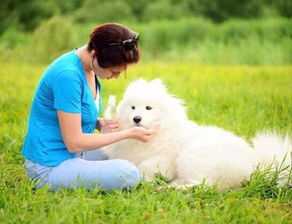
(241, 98)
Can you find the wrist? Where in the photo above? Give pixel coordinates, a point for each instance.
(128, 133)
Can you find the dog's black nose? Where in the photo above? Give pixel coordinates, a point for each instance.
(137, 119)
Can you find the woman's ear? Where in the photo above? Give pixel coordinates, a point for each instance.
(92, 54)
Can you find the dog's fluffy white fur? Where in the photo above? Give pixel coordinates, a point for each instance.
(184, 152)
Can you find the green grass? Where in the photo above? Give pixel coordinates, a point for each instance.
(243, 99)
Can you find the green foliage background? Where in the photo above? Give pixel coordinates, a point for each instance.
(209, 32)
(28, 14)
(201, 31)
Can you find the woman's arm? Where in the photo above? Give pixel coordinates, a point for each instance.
(76, 141)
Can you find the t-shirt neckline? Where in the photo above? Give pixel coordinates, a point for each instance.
(97, 84)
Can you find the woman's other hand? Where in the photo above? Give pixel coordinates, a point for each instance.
(143, 134)
(108, 126)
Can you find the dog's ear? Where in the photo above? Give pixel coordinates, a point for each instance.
(159, 86)
(158, 83)
(136, 84)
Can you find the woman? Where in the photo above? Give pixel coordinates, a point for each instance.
(60, 147)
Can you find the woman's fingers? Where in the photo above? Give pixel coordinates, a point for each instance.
(109, 125)
(146, 135)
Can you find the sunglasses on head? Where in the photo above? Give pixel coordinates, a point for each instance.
(129, 43)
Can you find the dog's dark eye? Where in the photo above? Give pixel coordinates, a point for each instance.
(133, 107)
(148, 108)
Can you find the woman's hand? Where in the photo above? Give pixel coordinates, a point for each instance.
(108, 126)
(143, 134)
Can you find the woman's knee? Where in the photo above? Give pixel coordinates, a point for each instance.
(126, 173)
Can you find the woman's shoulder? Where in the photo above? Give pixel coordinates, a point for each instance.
(66, 66)
(68, 61)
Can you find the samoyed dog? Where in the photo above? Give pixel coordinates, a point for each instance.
(184, 152)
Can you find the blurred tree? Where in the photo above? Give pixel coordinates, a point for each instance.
(284, 7)
(104, 11)
(28, 14)
(25, 14)
(68, 6)
(220, 10)
(52, 38)
(138, 7)
(163, 9)
(193, 7)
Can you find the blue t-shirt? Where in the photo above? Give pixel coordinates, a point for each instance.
(62, 87)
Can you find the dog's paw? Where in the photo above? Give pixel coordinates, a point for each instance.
(181, 185)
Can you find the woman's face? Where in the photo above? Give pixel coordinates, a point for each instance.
(110, 72)
(107, 73)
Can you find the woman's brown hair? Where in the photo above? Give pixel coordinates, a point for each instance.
(114, 44)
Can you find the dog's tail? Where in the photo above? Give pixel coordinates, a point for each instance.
(272, 148)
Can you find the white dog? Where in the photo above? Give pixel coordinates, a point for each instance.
(184, 152)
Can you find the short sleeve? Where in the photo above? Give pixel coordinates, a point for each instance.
(67, 91)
